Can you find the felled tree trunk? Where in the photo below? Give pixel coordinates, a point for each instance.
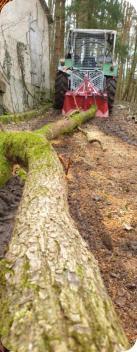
(67, 124)
(50, 131)
(52, 295)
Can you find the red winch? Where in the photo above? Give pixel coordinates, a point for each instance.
(85, 96)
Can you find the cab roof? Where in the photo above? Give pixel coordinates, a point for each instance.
(94, 31)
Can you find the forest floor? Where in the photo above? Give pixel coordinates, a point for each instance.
(102, 195)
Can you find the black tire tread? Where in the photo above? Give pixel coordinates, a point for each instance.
(61, 86)
(111, 91)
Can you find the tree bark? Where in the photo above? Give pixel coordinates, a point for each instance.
(58, 37)
(131, 74)
(62, 27)
(128, 12)
(52, 295)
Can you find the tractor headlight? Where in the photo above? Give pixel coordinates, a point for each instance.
(62, 62)
(111, 68)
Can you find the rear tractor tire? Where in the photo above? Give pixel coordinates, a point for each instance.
(61, 87)
(111, 91)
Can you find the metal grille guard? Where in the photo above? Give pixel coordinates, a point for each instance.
(95, 76)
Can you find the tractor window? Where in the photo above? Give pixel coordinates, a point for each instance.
(88, 50)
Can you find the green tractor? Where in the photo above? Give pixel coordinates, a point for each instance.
(88, 73)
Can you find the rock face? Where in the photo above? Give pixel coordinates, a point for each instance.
(2, 91)
(24, 53)
(2, 87)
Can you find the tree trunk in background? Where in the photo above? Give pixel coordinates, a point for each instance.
(58, 37)
(127, 93)
(128, 12)
(134, 95)
(52, 295)
(56, 41)
(82, 19)
(51, 41)
(62, 27)
(120, 76)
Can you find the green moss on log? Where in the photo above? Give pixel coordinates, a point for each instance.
(26, 116)
(19, 147)
(24, 146)
(5, 321)
(67, 125)
(22, 173)
(5, 167)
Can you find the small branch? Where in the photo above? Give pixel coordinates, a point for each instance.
(91, 140)
(66, 166)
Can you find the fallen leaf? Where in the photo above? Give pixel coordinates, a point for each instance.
(127, 227)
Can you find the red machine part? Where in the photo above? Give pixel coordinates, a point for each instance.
(83, 97)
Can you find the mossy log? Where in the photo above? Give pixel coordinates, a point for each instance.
(25, 116)
(50, 131)
(67, 124)
(52, 297)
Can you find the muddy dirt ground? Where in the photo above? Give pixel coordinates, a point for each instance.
(102, 195)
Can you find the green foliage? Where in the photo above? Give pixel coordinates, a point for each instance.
(121, 49)
(114, 14)
(5, 167)
(100, 14)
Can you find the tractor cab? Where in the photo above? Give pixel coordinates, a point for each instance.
(92, 48)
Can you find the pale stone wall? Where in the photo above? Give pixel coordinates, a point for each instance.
(23, 36)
